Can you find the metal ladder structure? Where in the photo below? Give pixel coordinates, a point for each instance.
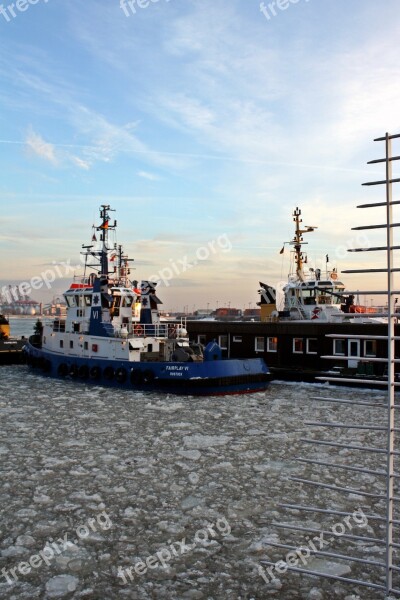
(383, 575)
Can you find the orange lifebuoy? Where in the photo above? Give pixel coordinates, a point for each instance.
(138, 330)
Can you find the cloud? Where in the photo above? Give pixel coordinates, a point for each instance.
(38, 147)
(82, 164)
(149, 176)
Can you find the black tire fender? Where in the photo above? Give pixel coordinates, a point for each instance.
(148, 376)
(95, 373)
(62, 370)
(120, 375)
(136, 377)
(83, 372)
(109, 373)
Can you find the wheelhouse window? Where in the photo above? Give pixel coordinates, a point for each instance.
(127, 301)
(272, 344)
(370, 348)
(70, 300)
(312, 346)
(259, 344)
(80, 300)
(339, 347)
(298, 346)
(88, 300)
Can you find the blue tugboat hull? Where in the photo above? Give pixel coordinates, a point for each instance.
(218, 377)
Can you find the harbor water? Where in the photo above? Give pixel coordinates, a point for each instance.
(117, 494)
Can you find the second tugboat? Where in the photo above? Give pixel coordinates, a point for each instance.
(99, 342)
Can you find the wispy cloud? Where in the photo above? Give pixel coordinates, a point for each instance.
(149, 176)
(37, 146)
(79, 162)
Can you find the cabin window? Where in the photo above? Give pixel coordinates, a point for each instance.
(369, 347)
(202, 339)
(272, 344)
(223, 342)
(308, 296)
(127, 301)
(237, 338)
(88, 300)
(149, 347)
(259, 344)
(70, 300)
(71, 344)
(298, 345)
(312, 346)
(86, 345)
(61, 343)
(339, 347)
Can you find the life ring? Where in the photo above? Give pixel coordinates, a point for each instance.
(109, 373)
(83, 371)
(120, 375)
(62, 370)
(148, 376)
(95, 373)
(138, 329)
(136, 376)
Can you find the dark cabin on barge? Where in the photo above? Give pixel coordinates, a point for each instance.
(294, 350)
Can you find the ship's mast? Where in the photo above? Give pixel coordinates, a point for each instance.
(122, 270)
(104, 228)
(299, 257)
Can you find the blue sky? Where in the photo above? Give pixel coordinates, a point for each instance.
(194, 119)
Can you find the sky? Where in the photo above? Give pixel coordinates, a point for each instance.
(203, 123)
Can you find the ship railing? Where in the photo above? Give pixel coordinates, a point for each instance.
(329, 275)
(363, 416)
(270, 319)
(159, 330)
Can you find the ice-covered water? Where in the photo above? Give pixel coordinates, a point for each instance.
(118, 477)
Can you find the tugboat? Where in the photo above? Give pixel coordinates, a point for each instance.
(10, 348)
(99, 341)
(307, 324)
(309, 294)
